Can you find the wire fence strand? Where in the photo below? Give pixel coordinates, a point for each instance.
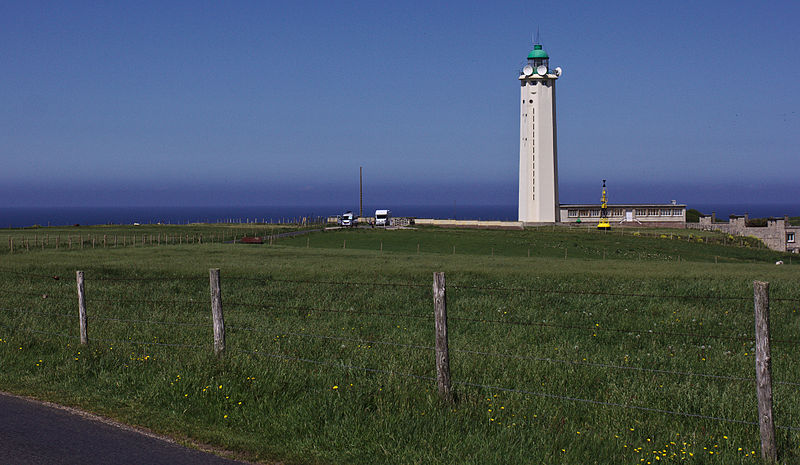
(614, 294)
(511, 356)
(336, 365)
(148, 301)
(154, 322)
(19, 310)
(325, 310)
(617, 330)
(36, 331)
(41, 295)
(514, 390)
(333, 283)
(618, 367)
(615, 404)
(143, 343)
(335, 338)
(32, 275)
(148, 279)
(597, 293)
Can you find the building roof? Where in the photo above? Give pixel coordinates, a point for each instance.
(537, 52)
(621, 205)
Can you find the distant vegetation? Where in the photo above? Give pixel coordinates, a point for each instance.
(693, 216)
(756, 222)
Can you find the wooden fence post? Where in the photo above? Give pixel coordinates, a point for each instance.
(82, 308)
(216, 312)
(766, 423)
(442, 352)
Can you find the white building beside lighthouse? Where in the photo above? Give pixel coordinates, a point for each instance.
(538, 167)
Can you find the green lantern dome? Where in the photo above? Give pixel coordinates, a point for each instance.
(537, 52)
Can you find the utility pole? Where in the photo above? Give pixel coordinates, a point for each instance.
(360, 192)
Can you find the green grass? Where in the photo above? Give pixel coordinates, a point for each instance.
(548, 242)
(290, 410)
(116, 236)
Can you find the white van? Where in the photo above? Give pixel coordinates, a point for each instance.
(383, 218)
(348, 219)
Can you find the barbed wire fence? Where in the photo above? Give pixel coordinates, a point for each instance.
(24, 242)
(440, 373)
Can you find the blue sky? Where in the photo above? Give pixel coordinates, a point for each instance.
(217, 103)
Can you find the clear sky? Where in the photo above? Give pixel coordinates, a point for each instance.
(280, 102)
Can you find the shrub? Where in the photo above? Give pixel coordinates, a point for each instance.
(693, 216)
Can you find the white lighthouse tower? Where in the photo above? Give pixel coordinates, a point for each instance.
(538, 167)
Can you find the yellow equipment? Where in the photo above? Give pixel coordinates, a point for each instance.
(604, 224)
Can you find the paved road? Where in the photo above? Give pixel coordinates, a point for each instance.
(32, 433)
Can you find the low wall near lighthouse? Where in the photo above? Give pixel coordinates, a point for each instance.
(478, 224)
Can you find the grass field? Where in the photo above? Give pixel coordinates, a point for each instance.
(554, 360)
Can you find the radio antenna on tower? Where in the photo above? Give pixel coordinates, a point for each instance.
(360, 192)
(536, 40)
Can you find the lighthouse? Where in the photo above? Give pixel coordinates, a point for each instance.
(538, 167)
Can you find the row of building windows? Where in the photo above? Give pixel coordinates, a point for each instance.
(659, 212)
(589, 213)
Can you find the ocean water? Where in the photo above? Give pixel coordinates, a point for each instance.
(723, 211)
(51, 216)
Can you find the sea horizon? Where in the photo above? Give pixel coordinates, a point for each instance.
(19, 217)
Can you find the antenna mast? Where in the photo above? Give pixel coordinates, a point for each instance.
(360, 193)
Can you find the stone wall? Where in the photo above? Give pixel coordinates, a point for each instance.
(470, 224)
(773, 235)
